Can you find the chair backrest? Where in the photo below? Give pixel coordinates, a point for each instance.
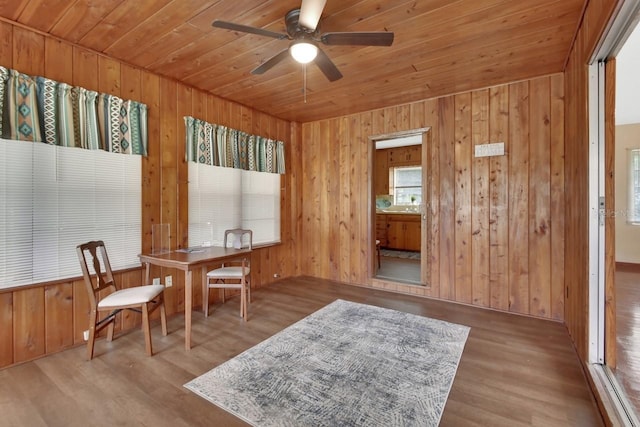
(235, 238)
(95, 254)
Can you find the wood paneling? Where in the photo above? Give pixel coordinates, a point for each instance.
(495, 228)
(440, 47)
(81, 308)
(479, 190)
(557, 202)
(445, 195)
(462, 194)
(58, 312)
(56, 63)
(6, 329)
(539, 203)
(28, 324)
(499, 199)
(41, 320)
(28, 49)
(519, 200)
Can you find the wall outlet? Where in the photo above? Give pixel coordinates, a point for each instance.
(85, 335)
(156, 280)
(168, 281)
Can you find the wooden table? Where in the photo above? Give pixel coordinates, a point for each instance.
(188, 261)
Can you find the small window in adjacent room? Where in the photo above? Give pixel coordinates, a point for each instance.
(407, 185)
(634, 187)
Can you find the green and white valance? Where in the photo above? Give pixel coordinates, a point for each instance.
(218, 145)
(38, 109)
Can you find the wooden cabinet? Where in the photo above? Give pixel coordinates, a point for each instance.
(412, 234)
(405, 156)
(381, 230)
(381, 173)
(404, 232)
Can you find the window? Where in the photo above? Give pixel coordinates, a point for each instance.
(53, 198)
(221, 198)
(407, 185)
(634, 187)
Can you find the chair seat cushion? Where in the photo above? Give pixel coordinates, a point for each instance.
(131, 296)
(228, 272)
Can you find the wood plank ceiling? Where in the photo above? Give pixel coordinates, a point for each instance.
(441, 46)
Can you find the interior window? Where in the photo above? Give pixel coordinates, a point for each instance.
(406, 185)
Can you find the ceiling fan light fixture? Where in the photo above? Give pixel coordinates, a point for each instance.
(303, 51)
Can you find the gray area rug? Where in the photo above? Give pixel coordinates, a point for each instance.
(400, 254)
(347, 364)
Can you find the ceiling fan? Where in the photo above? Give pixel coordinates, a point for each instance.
(302, 30)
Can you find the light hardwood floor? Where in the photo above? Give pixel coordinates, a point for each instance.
(514, 371)
(627, 373)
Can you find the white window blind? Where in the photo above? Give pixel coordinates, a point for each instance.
(54, 198)
(221, 198)
(634, 186)
(261, 205)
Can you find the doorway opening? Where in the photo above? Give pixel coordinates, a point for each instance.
(400, 198)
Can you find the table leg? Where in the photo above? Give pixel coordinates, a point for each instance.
(243, 293)
(205, 285)
(188, 302)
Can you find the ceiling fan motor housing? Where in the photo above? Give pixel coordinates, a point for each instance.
(294, 30)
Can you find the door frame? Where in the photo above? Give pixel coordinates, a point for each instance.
(602, 335)
(601, 332)
(425, 206)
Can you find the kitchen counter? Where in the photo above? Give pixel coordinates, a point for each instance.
(385, 212)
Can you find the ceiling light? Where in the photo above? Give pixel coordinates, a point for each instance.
(303, 51)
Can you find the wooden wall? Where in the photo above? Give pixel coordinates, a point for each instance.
(596, 18)
(506, 231)
(498, 224)
(44, 319)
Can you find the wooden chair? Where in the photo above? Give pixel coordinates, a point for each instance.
(104, 296)
(220, 278)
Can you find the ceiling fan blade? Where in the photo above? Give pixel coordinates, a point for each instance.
(269, 63)
(327, 66)
(247, 29)
(310, 12)
(376, 38)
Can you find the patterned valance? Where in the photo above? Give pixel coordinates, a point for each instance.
(42, 110)
(218, 145)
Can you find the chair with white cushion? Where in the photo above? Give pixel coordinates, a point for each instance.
(104, 296)
(232, 275)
